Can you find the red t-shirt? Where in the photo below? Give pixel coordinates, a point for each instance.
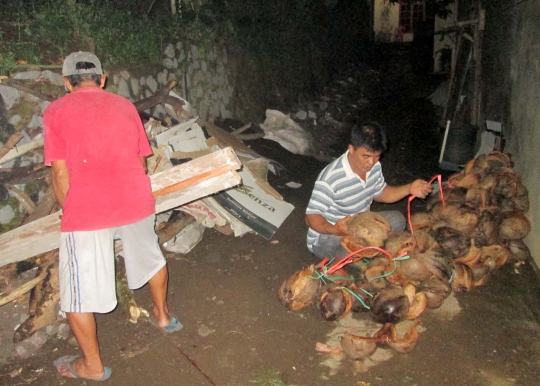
(101, 138)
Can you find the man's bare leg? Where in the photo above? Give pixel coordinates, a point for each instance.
(158, 287)
(89, 365)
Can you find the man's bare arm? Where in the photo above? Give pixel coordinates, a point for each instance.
(319, 224)
(60, 180)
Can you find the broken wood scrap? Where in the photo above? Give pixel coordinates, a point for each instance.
(19, 151)
(46, 206)
(241, 129)
(24, 175)
(43, 299)
(26, 202)
(10, 144)
(43, 235)
(161, 97)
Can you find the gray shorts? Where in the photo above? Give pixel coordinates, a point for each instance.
(87, 264)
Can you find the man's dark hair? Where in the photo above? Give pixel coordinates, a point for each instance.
(75, 80)
(370, 135)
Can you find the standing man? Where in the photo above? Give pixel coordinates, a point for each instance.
(348, 186)
(96, 146)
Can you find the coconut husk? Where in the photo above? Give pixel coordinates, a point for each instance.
(335, 303)
(518, 203)
(463, 218)
(390, 305)
(493, 256)
(417, 300)
(364, 291)
(436, 291)
(506, 182)
(399, 243)
(463, 280)
(299, 289)
(462, 180)
(481, 275)
(437, 262)
(478, 197)
(421, 220)
(514, 226)
(497, 160)
(358, 347)
(456, 195)
(518, 250)
(414, 269)
(424, 241)
(481, 163)
(404, 344)
(351, 245)
(373, 276)
(471, 257)
(487, 230)
(368, 228)
(452, 241)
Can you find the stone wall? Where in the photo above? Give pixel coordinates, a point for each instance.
(511, 69)
(204, 80)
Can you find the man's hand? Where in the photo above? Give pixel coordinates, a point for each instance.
(420, 188)
(60, 180)
(319, 224)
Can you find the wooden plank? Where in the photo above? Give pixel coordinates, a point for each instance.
(18, 151)
(43, 235)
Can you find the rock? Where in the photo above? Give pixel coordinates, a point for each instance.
(162, 77)
(11, 96)
(196, 64)
(116, 79)
(123, 89)
(194, 52)
(63, 331)
(14, 120)
(27, 75)
(312, 114)
(204, 66)
(30, 346)
(6, 214)
(53, 77)
(125, 74)
(169, 51)
(323, 105)
(301, 115)
(135, 87)
(152, 84)
(168, 63)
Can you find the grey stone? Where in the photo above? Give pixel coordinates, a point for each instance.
(14, 120)
(142, 81)
(53, 77)
(194, 52)
(203, 110)
(224, 57)
(148, 93)
(301, 115)
(188, 81)
(200, 91)
(204, 66)
(182, 57)
(116, 79)
(168, 63)
(190, 69)
(169, 51)
(162, 77)
(312, 114)
(211, 57)
(196, 64)
(63, 331)
(123, 89)
(179, 46)
(134, 86)
(221, 69)
(215, 111)
(197, 78)
(44, 105)
(323, 105)
(36, 122)
(225, 113)
(125, 74)
(220, 94)
(160, 111)
(27, 75)
(6, 214)
(175, 63)
(172, 76)
(152, 84)
(11, 96)
(216, 80)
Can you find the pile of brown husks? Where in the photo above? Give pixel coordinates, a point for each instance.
(474, 227)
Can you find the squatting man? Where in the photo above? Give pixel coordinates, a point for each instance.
(96, 145)
(348, 186)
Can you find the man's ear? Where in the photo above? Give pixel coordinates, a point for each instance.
(351, 148)
(67, 85)
(103, 80)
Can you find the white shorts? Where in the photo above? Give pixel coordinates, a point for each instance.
(87, 268)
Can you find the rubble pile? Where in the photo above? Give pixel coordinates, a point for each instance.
(474, 225)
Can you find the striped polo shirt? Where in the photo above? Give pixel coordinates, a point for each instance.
(339, 192)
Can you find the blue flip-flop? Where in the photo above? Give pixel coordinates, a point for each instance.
(173, 326)
(68, 359)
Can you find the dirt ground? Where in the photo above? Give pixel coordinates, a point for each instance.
(236, 332)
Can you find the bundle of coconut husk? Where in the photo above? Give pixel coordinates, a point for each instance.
(473, 227)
